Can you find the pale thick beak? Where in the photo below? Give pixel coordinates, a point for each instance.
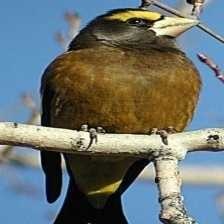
(173, 26)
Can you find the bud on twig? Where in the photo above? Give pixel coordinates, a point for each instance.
(197, 6)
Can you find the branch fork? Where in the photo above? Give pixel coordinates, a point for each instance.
(165, 157)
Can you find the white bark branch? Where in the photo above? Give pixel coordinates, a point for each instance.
(144, 146)
(169, 185)
(165, 157)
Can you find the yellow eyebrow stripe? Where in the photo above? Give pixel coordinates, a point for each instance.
(124, 16)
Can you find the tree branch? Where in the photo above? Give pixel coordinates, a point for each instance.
(169, 185)
(144, 146)
(165, 157)
(196, 175)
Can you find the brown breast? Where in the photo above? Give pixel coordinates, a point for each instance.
(122, 91)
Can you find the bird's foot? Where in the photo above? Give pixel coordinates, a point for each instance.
(163, 133)
(93, 133)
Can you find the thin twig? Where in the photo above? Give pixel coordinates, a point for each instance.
(211, 32)
(186, 8)
(28, 101)
(197, 6)
(147, 3)
(212, 65)
(73, 20)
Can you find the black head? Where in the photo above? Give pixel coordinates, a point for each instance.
(132, 28)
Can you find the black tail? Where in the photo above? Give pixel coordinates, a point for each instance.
(77, 210)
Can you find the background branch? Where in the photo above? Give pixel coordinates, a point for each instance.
(147, 3)
(214, 67)
(73, 21)
(197, 175)
(34, 118)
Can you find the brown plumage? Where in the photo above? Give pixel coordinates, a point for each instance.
(125, 87)
(120, 89)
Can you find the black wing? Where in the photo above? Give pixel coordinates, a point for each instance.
(50, 161)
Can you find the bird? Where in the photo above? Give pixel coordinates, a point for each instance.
(125, 73)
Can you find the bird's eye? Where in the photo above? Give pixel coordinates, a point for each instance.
(138, 22)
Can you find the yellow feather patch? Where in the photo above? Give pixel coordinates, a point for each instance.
(107, 190)
(124, 16)
(99, 197)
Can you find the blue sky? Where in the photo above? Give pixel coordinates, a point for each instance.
(27, 46)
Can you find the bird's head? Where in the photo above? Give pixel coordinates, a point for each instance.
(132, 28)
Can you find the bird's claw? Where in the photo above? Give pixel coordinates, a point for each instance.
(171, 130)
(93, 133)
(93, 136)
(163, 133)
(100, 130)
(84, 127)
